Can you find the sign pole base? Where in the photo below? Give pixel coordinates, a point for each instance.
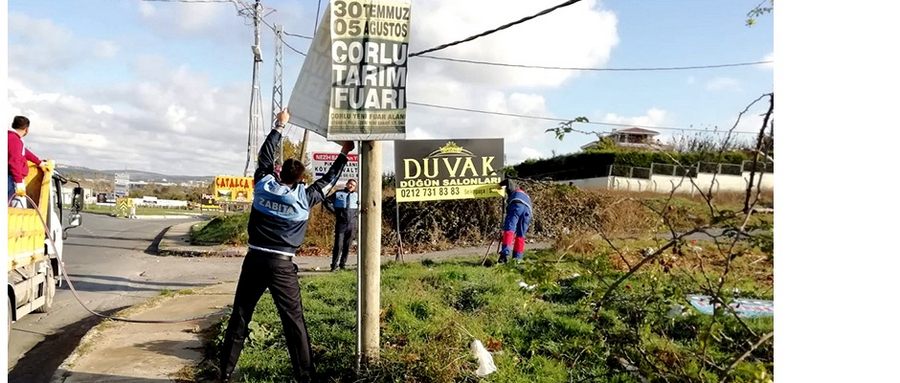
(370, 251)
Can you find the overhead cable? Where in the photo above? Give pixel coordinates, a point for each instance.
(565, 120)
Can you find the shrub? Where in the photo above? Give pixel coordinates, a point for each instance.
(599, 162)
(227, 229)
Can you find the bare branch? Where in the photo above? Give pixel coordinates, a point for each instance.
(565, 127)
(759, 144)
(746, 354)
(715, 276)
(643, 261)
(606, 237)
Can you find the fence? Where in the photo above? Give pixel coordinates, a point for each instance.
(660, 177)
(691, 171)
(763, 166)
(673, 170)
(630, 171)
(719, 168)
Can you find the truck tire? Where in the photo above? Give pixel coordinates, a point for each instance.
(49, 292)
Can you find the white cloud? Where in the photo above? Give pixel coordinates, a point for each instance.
(769, 57)
(146, 9)
(582, 34)
(419, 134)
(723, 84)
(432, 122)
(750, 122)
(159, 125)
(42, 49)
(170, 118)
(531, 153)
(177, 118)
(102, 109)
(106, 49)
(559, 39)
(205, 20)
(653, 117)
(40, 38)
(163, 117)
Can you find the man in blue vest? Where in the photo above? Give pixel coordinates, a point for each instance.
(278, 221)
(345, 206)
(515, 224)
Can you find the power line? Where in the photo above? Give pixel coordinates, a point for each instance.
(318, 10)
(513, 65)
(282, 39)
(621, 69)
(636, 69)
(565, 120)
(245, 7)
(500, 28)
(270, 27)
(191, 1)
(296, 35)
(237, 5)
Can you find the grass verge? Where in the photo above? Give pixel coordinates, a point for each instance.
(228, 229)
(140, 210)
(553, 332)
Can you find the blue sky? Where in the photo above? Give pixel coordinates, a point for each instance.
(164, 86)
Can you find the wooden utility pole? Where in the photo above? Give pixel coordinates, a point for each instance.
(370, 250)
(303, 147)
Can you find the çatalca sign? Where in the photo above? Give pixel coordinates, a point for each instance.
(233, 188)
(432, 170)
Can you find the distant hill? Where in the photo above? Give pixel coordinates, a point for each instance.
(80, 172)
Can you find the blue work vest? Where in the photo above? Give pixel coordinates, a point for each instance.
(274, 199)
(346, 200)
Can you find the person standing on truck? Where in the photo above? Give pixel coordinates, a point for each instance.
(515, 224)
(345, 206)
(278, 220)
(18, 157)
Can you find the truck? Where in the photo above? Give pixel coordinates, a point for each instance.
(34, 256)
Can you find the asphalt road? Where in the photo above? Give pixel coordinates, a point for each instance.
(112, 265)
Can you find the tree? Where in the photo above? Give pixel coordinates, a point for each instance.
(763, 8)
(604, 144)
(290, 149)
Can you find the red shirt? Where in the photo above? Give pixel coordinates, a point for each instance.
(17, 156)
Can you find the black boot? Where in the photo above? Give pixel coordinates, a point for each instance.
(228, 358)
(224, 377)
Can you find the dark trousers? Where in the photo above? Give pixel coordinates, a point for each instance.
(260, 271)
(11, 187)
(344, 234)
(518, 217)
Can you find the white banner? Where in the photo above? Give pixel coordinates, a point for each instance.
(310, 99)
(321, 162)
(122, 184)
(353, 82)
